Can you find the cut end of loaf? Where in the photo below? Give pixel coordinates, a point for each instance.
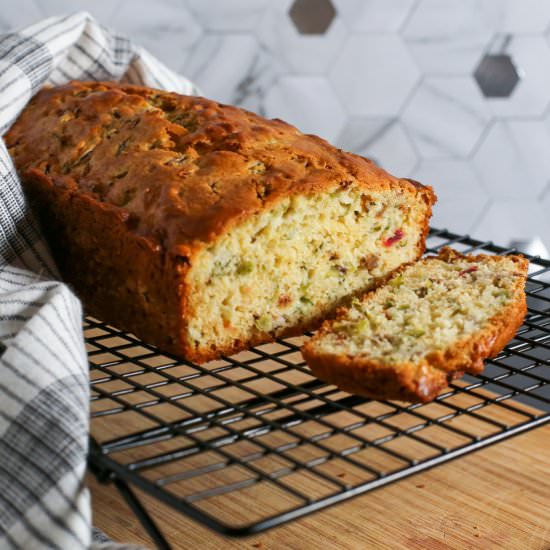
(292, 265)
(432, 320)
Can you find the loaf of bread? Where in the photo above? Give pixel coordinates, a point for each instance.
(201, 227)
(432, 321)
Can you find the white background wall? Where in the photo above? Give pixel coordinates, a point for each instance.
(390, 79)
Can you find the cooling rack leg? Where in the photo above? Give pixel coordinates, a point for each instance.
(142, 515)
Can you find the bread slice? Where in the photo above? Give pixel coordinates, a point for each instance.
(430, 322)
(203, 228)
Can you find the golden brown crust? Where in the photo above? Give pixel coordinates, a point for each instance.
(376, 380)
(185, 168)
(121, 277)
(131, 183)
(422, 381)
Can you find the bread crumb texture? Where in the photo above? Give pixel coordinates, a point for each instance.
(426, 307)
(431, 321)
(295, 262)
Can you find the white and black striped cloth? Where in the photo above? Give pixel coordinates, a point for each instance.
(43, 368)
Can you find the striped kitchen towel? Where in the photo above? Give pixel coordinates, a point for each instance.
(44, 389)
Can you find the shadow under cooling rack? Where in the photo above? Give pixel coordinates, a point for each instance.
(251, 441)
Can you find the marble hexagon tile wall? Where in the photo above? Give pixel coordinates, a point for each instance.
(454, 93)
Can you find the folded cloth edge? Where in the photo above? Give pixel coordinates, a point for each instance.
(44, 390)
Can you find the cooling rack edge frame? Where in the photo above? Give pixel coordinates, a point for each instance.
(108, 470)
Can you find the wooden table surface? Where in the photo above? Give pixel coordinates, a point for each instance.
(496, 498)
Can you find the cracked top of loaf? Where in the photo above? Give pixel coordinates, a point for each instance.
(183, 169)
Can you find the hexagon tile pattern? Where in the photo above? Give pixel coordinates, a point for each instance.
(374, 15)
(496, 75)
(447, 37)
(512, 160)
(382, 140)
(514, 220)
(446, 117)
(312, 16)
(461, 199)
(168, 33)
(233, 16)
(530, 98)
(234, 69)
(374, 74)
(517, 16)
(102, 10)
(301, 53)
(301, 100)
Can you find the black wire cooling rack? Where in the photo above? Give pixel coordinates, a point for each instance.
(258, 427)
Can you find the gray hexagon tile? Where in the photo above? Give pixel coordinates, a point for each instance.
(531, 57)
(383, 141)
(513, 160)
(447, 37)
(312, 16)
(506, 221)
(374, 15)
(27, 12)
(233, 16)
(304, 101)
(169, 31)
(301, 53)
(446, 116)
(461, 199)
(516, 16)
(374, 74)
(232, 68)
(497, 75)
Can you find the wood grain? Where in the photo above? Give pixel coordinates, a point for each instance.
(496, 498)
